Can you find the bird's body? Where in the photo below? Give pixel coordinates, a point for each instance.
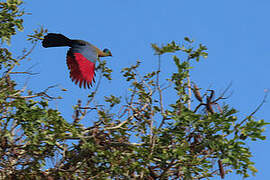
(81, 57)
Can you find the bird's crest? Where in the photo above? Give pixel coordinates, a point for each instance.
(107, 52)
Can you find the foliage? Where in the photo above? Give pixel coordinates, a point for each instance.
(10, 19)
(139, 137)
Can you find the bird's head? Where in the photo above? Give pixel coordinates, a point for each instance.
(107, 52)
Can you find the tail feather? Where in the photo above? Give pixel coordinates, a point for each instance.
(56, 40)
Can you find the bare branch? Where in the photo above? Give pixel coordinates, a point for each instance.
(189, 91)
(40, 94)
(18, 60)
(23, 73)
(119, 125)
(158, 86)
(255, 111)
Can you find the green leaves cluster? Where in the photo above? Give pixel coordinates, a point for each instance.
(10, 18)
(11, 21)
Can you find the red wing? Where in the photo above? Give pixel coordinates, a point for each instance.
(81, 69)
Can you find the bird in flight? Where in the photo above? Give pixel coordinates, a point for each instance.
(81, 57)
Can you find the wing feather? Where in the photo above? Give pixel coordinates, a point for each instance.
(82, 70)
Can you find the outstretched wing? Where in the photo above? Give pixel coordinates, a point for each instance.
(81, 63)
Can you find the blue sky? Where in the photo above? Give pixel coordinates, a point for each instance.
(235, 32)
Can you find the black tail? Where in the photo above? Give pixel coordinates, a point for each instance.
(55, 40)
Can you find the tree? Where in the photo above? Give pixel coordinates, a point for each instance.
(192, 138)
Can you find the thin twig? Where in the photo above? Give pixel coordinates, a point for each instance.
(40, 94)
(23, 57)
(158, 87)
(189, 91)
(223, 93)
(256, 110)
(23, 73)
(119, 125)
